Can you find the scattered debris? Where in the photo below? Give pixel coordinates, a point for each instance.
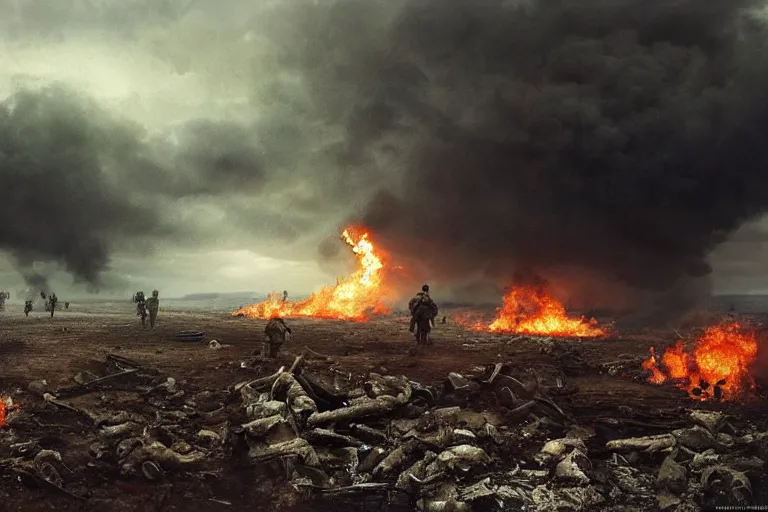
(385, 436)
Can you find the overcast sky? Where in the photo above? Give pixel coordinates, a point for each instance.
(219, 145)
(164, 65)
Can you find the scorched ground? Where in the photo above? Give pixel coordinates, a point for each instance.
(598, 383)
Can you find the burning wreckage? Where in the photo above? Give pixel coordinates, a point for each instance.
(310, 436)
(507, 436)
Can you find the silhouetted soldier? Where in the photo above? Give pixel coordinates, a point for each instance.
(141, 307)
(423, 312)
(421, 298)
(66, 305)
(285, 295)
(53, 301)
(153, 305)
(3, 297)
(27, 307)
(276, 332)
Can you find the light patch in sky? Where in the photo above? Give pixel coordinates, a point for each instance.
(138, 80)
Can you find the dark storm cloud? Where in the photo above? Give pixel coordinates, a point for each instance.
(623, 137)
(80, 183)
(210, 158)
(64, 206)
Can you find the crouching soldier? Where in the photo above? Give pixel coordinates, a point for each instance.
(276, 332)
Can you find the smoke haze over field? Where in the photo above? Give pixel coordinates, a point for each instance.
(609, 146)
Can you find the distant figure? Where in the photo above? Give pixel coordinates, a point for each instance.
(3, 297)
(153, 305)
(141, 307)
(285, 295)
(276, 331)
(66, 305)
(52, 302)
(27, 307)
(423, 312)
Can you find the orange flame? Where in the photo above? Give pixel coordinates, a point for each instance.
(529, 310)
(355, 297)
(4, 408)
(720, 360)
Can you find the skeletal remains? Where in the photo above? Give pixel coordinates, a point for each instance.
(415, 446)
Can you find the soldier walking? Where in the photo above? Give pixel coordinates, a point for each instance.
(53, 301)
(153, 305)
(423, 312)
(141, 307)
(27, 307)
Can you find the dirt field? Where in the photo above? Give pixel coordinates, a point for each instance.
(38, 347)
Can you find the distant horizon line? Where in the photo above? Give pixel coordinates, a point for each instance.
(259, 295)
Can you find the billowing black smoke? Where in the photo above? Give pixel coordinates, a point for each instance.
(60, 203)
(623, 138)
(36, 284)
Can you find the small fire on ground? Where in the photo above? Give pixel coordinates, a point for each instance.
(355, 297)
(530, 310)
(6, 405)
(718, 367)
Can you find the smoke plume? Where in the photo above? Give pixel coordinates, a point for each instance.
(624, 138)
(61, 201)
(607, 146)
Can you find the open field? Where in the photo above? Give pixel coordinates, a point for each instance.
(603, 377)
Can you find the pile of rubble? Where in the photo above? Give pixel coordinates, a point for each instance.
(385, 442)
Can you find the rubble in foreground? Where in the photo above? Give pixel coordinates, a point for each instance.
(493, 438)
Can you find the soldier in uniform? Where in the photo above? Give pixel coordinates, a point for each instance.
(153, 305)
(276, 331)
(418, 300)
(423, 311)
(27, 307)
(141, 307)
(53, 301)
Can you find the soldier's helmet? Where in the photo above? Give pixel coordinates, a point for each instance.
(155, 293)
(425, 288)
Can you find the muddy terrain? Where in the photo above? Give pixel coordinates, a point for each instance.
(176, 423)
